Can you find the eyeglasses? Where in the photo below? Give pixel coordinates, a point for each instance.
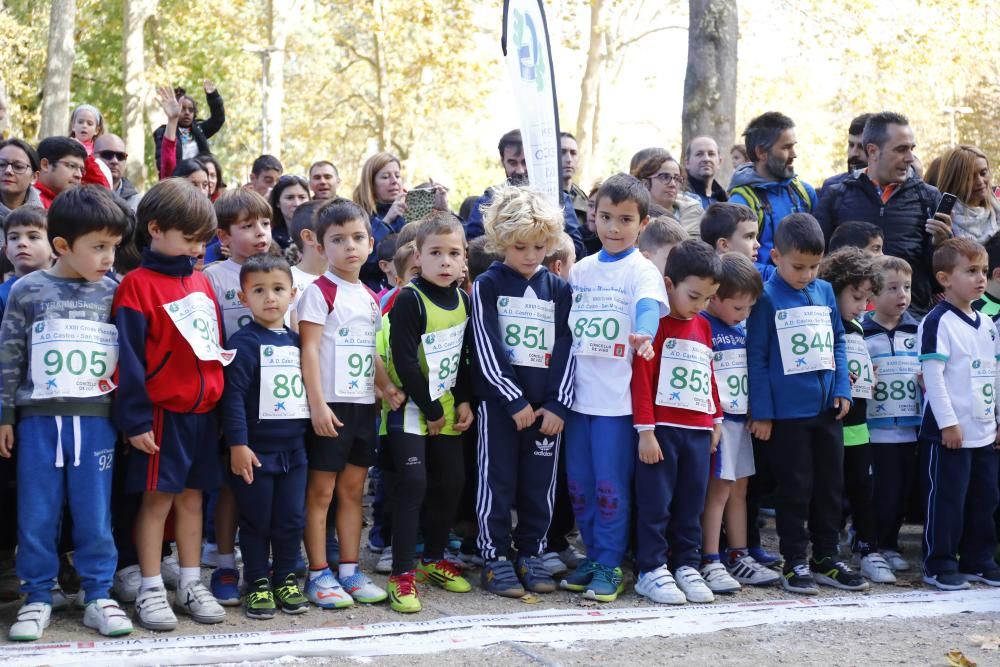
(16, 167)
(107, 156)
(72, 166)
(667, 179)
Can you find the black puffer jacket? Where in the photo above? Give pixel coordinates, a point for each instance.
(201, 130)
(902, 220)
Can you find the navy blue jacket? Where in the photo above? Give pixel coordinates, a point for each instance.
(474, 225)
(371, 274)
(518, 386)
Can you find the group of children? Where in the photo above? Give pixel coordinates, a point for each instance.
(675, 372)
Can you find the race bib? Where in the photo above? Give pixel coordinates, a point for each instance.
(805, 337)
(443, 352)
(235, 315)
(732, 379)
(984, 389)
(354, 364)
(685, 376)
(528, 329)
(282, 393)
(601, 322)
(196, 320)
(896, 392)
(860, 364)
(73, 358)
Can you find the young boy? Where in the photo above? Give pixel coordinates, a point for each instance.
(428, 355)
(561, 259)
(679, 419)
(959, 349)
(733, 462)
(264, 418)
(618, 300)
(730, 228)
(58, 352)
(857, 234)
(519, 315)
(799, 391)
(658, 238)
(170, 379)
(312, 262)
(386, 251)
(989, 303)
(26, 246)
(894, 411)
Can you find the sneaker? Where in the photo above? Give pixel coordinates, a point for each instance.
(572, 557)
(363, 589)
(375, 542)
(326, 592)
(798, 579)
(896, 561)
(455, 559)
(10, 584)
(289, 597)
(659, 586)
(555, 566)
(403, 593)
(764, 557)
(226, 586)
(170, 570)
(875, 568)
(31, 621)
(210, 555)
(153, 610)
(605, 584)
(718, 579)
(126, 583)
(384, 564)
(990, 577)
(500, 578)
(837, 574)
(470, 560)
(444, 574)
(105, 616)
(196, 601)
(579, 580)
(534, 575)
(947, 581)
(749, 572)
(60, 601)
(691, 582)
(454, 542)
(260, 600)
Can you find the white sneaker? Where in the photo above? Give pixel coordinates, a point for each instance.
(896, 561)
(199, 603)
(572, 556)
(153, 610)
(60, 601)
(32, 619)
(209, 555)
(127, 582)
(363, 589)
(695, 589)
(384, 564)
(659, 586)
(170, 570)
(875, 568)
(718, 579)
(105, 616)
(749, 572)
(554, 565)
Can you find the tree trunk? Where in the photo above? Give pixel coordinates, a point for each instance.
(710, 81)
(278, 12)
(586, 117)
(136, 13)
(58, 69)
(382, 124)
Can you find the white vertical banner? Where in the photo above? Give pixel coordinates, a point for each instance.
(525, 44)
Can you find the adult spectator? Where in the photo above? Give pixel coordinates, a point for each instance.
(264, 174)
(768, 185)
(661, 174)
(381, 194)
(703, 162)
(324, 179)
(111, 150)
(887, 194)
(286, 196)
(965, 173)
(569, 158)
(516, 169)
(193, 134)
(18, 168)
(61, 165)
(856, 156)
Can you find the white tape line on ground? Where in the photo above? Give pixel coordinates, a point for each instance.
(468, 632)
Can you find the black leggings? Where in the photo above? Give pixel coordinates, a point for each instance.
(895, 467)
(858, 491)
(429, 473)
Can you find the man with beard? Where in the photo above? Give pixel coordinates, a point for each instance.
(516, 168)
(768, 185)
(856, 156)
(702, 162)
(111, 149)
(569, 157)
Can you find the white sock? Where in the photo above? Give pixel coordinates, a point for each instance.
(189, 575)
(227, 561)
(316, 574)
(151, 582)
(346, 569)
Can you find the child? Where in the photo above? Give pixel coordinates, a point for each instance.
(799, 391)
(406, 238)
(958, 350)
(428, 358)
(519, 315)
(733, 462)
(561, 260)
(618, 300)
(658, 238)
(264, 419)
(851, 274)
(894, 412)
(312, 262)
(170, 379)
(58, 352)
(338, 320)
(26, 246)
(679, 420)
(86, 124)
(731, 228)
(857, 234)
(386, 251)
(989, 302)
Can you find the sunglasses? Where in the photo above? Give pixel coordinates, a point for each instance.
(109, 155)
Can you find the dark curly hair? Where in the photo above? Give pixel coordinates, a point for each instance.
(848, 267)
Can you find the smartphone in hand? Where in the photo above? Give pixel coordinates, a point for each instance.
(946, 204)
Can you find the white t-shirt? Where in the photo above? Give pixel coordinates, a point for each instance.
(300, 281)
(354, 309)
(225, 279)
(605, 295)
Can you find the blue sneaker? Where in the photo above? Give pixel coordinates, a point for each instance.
(327, 593)
(500, 578)
(579, 579)
(226, 586)
(605, 585)
(534, 576)
(376, 543)
(764, 557)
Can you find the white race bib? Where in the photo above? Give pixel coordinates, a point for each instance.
(860, 364)
(984, 389)
(732, 379)
(73, 358)
(805, 337)
(235, 315)
(282, 393)
(443, 352)
(354, 365)
(196, 320)
(896, 392)
(528, 330)
(601, 321)
(685, 376)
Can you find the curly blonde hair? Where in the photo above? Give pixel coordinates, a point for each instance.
(520, 215)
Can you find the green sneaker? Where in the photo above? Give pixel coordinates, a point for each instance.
(289, 596)
(443, 573)
(403, 593)
(605, 585)
(578, 580)
(260, 600)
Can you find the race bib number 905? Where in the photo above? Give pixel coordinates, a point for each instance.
(73, 358)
